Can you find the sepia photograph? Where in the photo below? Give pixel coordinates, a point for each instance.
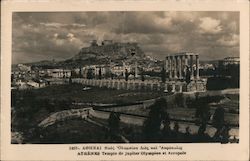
(125, 77)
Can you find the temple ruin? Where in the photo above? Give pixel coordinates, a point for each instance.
(183, 68)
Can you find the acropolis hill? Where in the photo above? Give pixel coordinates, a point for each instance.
(104, 53)
(111, 50)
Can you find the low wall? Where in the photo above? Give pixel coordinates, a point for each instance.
(212, 93)
(139, 120)
(65, 114)
(128, 119)
(169, 86)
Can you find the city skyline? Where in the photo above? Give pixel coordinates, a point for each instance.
(60, 35)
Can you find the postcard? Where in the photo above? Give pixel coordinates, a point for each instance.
(125, 80)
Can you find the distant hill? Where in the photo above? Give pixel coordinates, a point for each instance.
(98, 54)
(112, 51)
(214, 62)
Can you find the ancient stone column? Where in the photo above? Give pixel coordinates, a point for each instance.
(170, 66)
(175, 67)
(166, 64)
(180, 66)
(166, 87)
(186, 64)
(180, 88)
(191, 67)
(136, 69)
(124, 69)
(197, 66)
(118, 85)
(173, 87)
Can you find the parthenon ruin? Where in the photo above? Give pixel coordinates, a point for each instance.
(178, 65)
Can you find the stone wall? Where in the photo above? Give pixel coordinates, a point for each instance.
(124, 118)
(154, 85)
(137, 120)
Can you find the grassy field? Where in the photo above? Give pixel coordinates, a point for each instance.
(29, 107)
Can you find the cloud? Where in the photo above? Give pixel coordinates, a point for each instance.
(59, 25)
(230, 40)
(210, 25)
(144, 22)
(54, 24)
(59, 35)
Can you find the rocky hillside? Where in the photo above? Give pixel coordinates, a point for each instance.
(113, 51)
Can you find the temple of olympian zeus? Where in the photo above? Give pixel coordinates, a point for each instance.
(178, 65)
(181, 72)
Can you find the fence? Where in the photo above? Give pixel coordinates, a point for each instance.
(170, 86)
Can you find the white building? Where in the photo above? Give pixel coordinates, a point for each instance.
(230, 61)
(33, 84)
(59, 73)
(23, 67)
(120, 70)
(95, 69)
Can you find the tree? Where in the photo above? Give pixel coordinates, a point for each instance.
(114, 123)
(202, 114)
(163, 75)
(80, 72)
(126, 74)
(166, 127)
(89, 74)
(157, 114)
(112, 75)
(142, 76)
(100, 73)
(73, 74)
(70, 80)
(218, 118)
(202, 110)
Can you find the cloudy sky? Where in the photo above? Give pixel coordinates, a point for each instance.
(59, 35)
